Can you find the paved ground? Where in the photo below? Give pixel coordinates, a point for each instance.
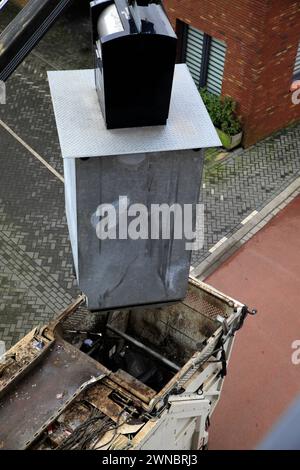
(35, 267)
(262, 380)
(247, 182)
(250, 226)
(35, 257)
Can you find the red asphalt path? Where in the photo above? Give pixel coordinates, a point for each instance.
(262, 380)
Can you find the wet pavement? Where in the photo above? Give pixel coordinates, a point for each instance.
(262, 381)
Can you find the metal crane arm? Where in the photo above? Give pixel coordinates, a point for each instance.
(25, 31)
(28, 28)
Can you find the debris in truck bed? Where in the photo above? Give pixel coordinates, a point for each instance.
(87, 434)
(75, 415)
(124, 391)
(29, 349)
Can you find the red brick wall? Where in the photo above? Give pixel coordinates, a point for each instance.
(262, 38)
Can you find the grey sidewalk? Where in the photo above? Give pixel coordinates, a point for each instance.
(35, 256)
(245, 183)
(250, 226)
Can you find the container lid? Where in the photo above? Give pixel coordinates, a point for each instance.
(82, 131)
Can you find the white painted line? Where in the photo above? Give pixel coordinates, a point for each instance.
(250, 216)
(33, 152)
(220, 242)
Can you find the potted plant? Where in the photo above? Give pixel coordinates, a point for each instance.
(222, 111)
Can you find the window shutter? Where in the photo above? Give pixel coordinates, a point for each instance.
(216, 66)
(296, 73)
(194, 51)
(205, 55)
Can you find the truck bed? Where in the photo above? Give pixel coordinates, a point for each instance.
(118, 383)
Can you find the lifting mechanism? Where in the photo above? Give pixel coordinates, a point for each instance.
(138, 360)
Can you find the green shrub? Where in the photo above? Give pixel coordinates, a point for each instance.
(222, 112)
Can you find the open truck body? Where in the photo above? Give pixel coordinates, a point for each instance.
(130, 379)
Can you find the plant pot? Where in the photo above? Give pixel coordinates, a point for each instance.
(229, 141)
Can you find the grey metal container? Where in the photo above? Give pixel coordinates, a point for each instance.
(150, 165)
(118, 272)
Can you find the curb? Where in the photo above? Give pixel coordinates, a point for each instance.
(251, 225)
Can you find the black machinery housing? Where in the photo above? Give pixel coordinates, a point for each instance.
(134, 66)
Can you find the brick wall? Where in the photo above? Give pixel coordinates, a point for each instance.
(262, 38)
